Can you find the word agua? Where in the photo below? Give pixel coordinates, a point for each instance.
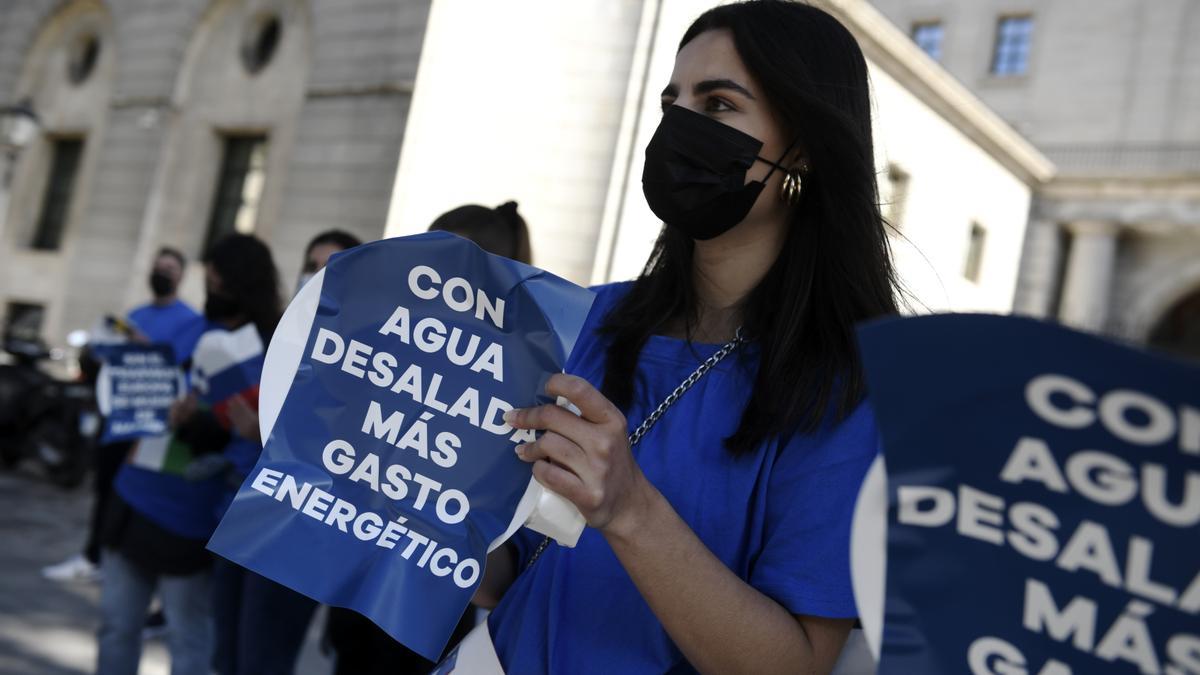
(430, 334)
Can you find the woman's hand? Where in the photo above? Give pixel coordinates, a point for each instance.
(731, 627)
(586, 459)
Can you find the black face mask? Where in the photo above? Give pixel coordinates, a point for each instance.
(694, 178)
(220, 307)
(161, 285)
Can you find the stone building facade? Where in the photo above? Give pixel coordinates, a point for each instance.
(165, 122)
(1109, 90)
(288, 117)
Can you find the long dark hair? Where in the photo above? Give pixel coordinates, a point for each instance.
(248, 274)
(834, 269)
(501, 230)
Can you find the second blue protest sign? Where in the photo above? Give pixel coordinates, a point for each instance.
(1043, 501)
(387, 472)
(135, 388)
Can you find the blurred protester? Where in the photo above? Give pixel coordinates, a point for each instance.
(155, 527)
(259, 624)
(320, 249)
(362, 647)
(164, 320)
(501, 230)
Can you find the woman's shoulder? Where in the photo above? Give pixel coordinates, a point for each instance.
(608, 295)
(589, 353)
(853, 437)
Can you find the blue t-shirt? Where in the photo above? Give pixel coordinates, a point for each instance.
(185, 508)
(175, 324)
(778, 517)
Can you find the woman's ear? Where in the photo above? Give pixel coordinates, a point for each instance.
(798, 159)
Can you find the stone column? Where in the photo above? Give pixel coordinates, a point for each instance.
(1088, 281)
(1038, 276)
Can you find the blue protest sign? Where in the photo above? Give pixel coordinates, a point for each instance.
(388, 472)
(135, 388)
(1043, 500)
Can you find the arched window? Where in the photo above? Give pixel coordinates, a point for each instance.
(261, 38)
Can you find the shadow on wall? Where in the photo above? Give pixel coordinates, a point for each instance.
(1178, 331)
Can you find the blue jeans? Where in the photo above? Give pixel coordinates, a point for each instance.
(260, 624)
(124, 600)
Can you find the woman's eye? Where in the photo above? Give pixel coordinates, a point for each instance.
(715, 104)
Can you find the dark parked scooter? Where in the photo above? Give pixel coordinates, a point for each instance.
(44, 419)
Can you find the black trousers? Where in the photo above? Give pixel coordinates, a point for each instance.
(108, 460)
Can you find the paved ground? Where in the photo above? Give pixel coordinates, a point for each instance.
(48, 628)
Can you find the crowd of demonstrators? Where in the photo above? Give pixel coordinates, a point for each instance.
(773, 249)
(150, 525)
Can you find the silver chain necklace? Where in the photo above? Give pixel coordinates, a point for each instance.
(727, 349)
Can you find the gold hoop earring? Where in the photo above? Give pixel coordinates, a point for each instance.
(793, 184)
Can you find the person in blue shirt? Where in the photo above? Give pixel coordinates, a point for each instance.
(164, 320)
(156, 522)
(719, 543)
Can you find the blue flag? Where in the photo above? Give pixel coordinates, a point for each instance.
(388, 472)
(135, 389)
(1043, 492)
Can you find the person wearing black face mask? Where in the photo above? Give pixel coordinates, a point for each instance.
(694, 178)
(167, 318)
(164, 320)
(220, 307)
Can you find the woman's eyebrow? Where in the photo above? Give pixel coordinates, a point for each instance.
(709, 86)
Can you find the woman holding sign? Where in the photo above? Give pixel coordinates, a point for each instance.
(719, 543)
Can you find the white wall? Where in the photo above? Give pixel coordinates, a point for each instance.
(953, 183)
(519, 100)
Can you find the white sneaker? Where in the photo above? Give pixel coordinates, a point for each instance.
(75, 568)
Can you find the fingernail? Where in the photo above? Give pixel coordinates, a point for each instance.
(510, 416)
(520, 450)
